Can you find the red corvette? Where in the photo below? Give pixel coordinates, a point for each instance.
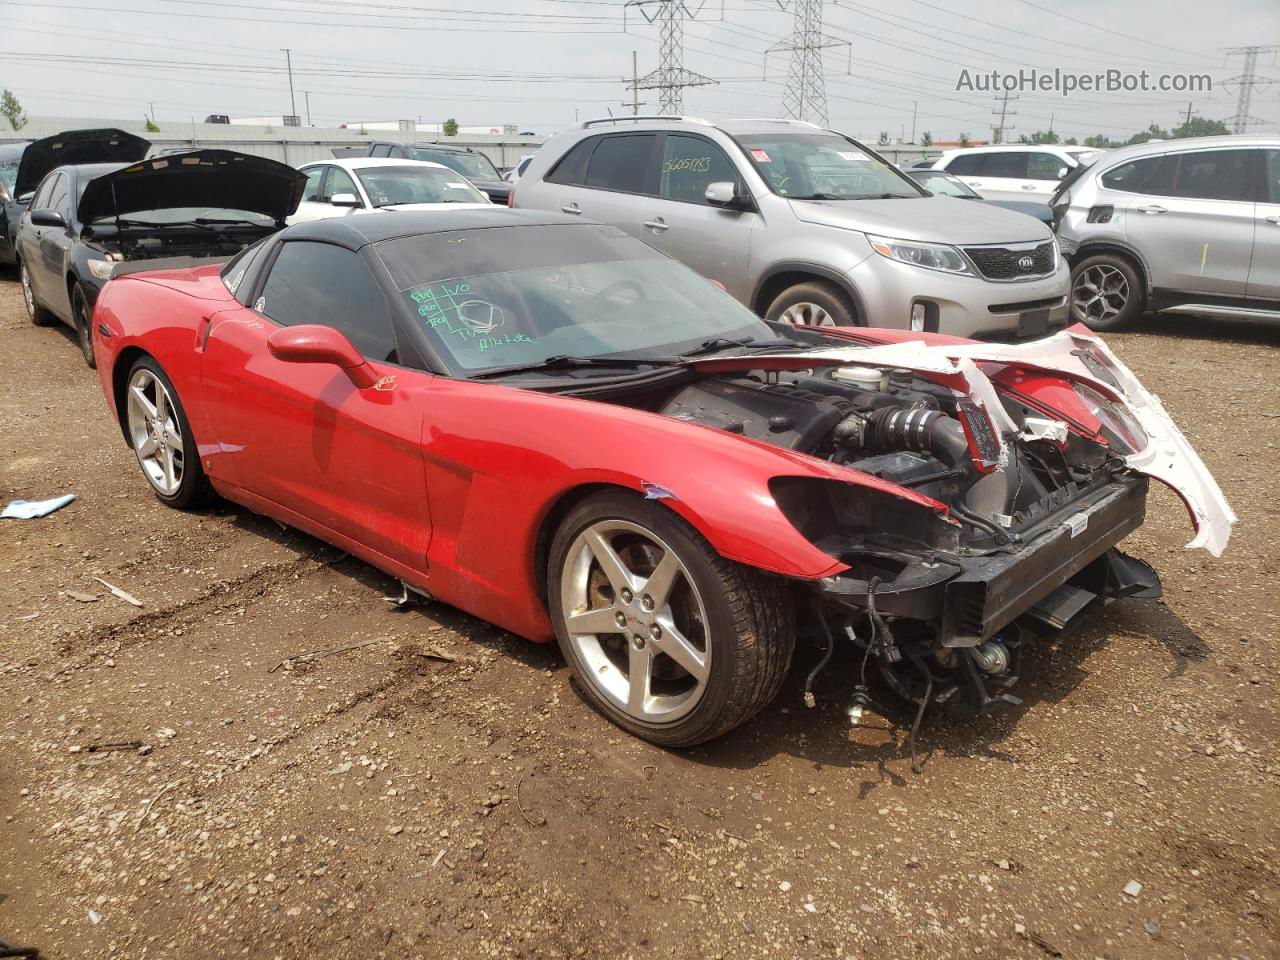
(548, 424)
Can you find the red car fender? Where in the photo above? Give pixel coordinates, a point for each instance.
(481, 442)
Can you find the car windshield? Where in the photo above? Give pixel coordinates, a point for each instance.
(408, 184)
(8, 174)
(942, 184)
(824, 166)
(516, 296)
(474, 165)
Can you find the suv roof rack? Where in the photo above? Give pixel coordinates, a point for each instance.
(640, 117)
(805, 123)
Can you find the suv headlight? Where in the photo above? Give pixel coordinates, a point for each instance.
(931, 256)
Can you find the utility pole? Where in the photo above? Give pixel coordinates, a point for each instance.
(1186, 121)
(671, 77)
(152, 107)
(914, 105)
(288, 59)
(307, 94)
(634, 86)
(806, 95)
(1246, 81)
(997, 132)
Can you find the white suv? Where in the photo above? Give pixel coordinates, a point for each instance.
(1015, 172)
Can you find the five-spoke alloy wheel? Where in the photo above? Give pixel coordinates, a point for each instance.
(668, 639)
(1105, 292)
(160, 435)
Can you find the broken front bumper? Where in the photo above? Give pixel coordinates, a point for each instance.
(970, 599)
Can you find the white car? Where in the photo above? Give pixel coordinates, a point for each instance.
(339, 188)
(1015, 171)
(513, 175)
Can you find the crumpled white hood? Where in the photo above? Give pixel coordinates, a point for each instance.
(1167, 457)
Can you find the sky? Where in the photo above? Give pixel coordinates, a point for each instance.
(540, 64)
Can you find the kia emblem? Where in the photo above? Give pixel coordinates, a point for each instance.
(1025, 263)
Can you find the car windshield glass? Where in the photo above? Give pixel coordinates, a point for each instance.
(209, 215)
(519, 295)
(391, 185)
(823, 166)
(474, 165)
(8, 173)
(942, 184)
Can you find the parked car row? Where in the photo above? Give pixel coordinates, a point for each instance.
(401, 372)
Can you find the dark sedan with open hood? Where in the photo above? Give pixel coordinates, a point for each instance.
(87, 222)
(24, 165)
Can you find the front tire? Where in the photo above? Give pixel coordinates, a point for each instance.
(813, 304)
(160, 434)
(1106, 292)
(669, 640)
(37, 314)
(83, 324)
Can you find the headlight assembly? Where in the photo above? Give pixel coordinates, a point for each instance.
(931, 256)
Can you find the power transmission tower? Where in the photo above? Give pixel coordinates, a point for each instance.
(806, 95)
(671, 77)
(998, 131)
(1247, 80)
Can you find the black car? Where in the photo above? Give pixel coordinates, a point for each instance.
(943, 184)
(24, 165)
(84, 221)
(472, 164)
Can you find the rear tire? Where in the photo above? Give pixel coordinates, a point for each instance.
(36, 313)
(160, 434)
(713, 639)
(1106, 292)
(83, 324)
(815, 303)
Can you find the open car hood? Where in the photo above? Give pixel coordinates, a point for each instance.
(76, 146)
(202, 178)
(1072, 355)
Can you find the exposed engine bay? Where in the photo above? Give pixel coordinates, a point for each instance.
(159, 241)
(1031, 500)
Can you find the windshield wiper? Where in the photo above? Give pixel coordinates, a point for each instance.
(715, 343)
(565, 362)
(819, 196)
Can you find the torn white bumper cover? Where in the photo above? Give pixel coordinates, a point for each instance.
(1083, 358)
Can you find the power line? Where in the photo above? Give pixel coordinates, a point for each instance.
(805, 97)
(1246, 81)
(1002, 101)
(671, 77)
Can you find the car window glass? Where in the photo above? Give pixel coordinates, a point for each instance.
(523, 165)
(339, 182)
(572, 167)
(59, 198)
(1044, 166)
(1271, 193)
(1012, 165)
(311, 193)
(39, 201)
(966, 165)
(620, 163)
(381, 150)
(1131, 177)
(1203, 175)
(689, 164)
(237, 268)
(320, 283)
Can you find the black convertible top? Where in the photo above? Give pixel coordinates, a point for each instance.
(357, 231)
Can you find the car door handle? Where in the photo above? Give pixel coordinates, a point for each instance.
(1273, 219)
(1152, 208)
(657, 223)
(571, 208)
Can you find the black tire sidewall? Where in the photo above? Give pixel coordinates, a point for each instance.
(83, 326)
(703, 721)
(826, 295)
(193, 490)
(37, 314)
(1137, 299)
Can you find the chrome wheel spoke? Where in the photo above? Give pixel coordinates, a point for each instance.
(656, 591)
(138, 395)
(639, 679)
(615, 570)
(599, 620)
(674, 644)
(148, 447)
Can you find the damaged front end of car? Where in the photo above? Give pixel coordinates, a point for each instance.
(1035, 460)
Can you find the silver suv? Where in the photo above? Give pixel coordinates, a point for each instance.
(1181, 226)
(805, 225)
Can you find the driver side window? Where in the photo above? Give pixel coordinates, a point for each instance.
(339, 182)
(321, 283)
(311, 192)
(689, 164)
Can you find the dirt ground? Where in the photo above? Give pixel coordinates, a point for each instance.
(384, 802)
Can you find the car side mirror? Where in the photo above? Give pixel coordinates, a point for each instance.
(724, 193)
(48, 218)
(313, 343)
(345, 200)
(1062, 172)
